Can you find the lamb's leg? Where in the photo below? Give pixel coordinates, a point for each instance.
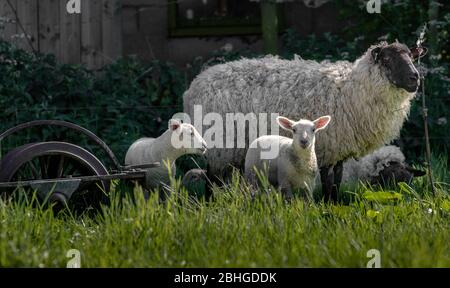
(327, 179)
(211, 180)
(286, 191)
(338, 168)
(252, 183)
(306, 195)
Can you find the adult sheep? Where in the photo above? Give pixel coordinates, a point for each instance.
(369, 100)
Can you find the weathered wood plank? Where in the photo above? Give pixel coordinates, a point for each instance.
(8, 20)
(112, 30)
(70, 29)
(27, 10)
(93, 37)
(91, 33)
(49, 28)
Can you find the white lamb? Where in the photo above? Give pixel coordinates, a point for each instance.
(179, 139)
(295, 166)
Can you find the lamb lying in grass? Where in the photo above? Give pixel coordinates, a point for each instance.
(196, 183)
(385, 166)
(295, 166)
(179, 139)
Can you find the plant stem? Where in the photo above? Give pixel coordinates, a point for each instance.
(427, 138)
(269, 25)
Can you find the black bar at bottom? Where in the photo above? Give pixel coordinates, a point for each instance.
(218, 277)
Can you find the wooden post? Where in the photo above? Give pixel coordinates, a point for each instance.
(269, 25)
(49, 23)
(112, 30)
(70, 38)
(91, 33)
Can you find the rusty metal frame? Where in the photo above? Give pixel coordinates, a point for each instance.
(66, 186)
(137, 174)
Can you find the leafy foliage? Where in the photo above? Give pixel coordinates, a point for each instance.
(124, 102)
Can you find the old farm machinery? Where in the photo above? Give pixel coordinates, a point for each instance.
(62, 173)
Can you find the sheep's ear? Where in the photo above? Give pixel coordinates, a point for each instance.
(285, 123)
(322, 122)
(174, 124)
(418, 52)
(415, 172)
(376, 53)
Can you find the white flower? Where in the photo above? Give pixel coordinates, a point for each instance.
(431, 211)
(442, 121)
(383, 37)
(227, 47)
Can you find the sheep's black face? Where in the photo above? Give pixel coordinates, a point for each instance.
(396, 61)
(394, 173)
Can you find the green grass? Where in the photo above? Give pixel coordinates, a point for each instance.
(236, 231)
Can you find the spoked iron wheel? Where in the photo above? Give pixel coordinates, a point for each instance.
(57, 160)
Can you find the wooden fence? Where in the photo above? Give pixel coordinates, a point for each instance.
(92, 37)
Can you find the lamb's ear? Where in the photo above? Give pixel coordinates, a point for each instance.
(415, 172)
(285, 123)
(174, 124)
(376, 53)
(417, 52)
(322, 122)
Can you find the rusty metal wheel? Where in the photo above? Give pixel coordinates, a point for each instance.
(57, 160)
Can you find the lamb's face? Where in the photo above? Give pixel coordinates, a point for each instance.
(394, 173)
(396, 62)
(186, 137)
(304, 131)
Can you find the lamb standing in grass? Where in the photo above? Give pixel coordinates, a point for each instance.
(295, 166)
(368, 99)
(178, 140)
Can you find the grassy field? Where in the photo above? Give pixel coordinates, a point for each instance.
(410, 228)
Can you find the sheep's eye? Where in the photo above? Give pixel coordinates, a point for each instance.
(313, 130)
(294, 130)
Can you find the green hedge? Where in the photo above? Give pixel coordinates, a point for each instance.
(123, 102)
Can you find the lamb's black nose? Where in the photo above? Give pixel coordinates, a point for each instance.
(304, 142)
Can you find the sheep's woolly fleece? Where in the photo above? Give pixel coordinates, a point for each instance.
(371, 165)
(367, 110)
